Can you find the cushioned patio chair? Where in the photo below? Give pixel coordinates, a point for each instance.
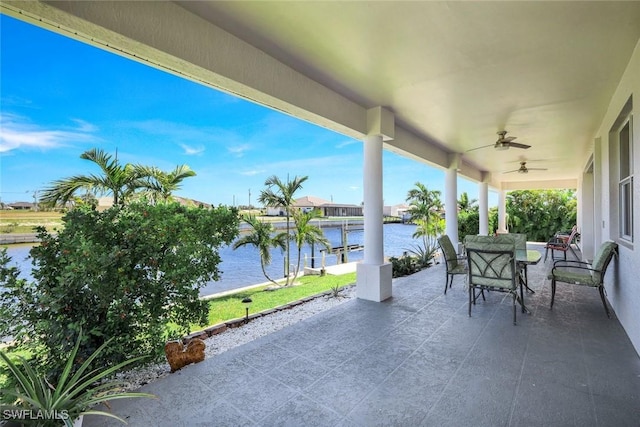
(561, 242)
(583, 273)
(455, 264)
(492, 267)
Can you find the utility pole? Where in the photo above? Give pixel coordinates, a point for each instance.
(249, 199)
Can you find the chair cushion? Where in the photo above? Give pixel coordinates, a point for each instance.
(575, 277)
(604, 252)
(461, 268)
(450, 255)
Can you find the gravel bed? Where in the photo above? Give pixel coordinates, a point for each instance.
(234, 337)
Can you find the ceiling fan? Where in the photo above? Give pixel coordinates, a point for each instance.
(524, 169)
(503, 143)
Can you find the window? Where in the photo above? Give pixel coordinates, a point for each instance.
(625, 183)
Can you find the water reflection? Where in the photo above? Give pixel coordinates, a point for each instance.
(241, 267)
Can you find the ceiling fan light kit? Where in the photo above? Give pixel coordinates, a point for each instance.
(524, 169)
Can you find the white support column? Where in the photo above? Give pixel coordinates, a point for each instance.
(502, 212)
(483, 206)
(451, 199)
(373, 232)
(373, 281)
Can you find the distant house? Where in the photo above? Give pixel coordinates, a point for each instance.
(399, 211)
(21, 205)
(326, 208)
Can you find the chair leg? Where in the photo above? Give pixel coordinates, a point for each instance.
(546, 252)
(514, 307)
(604, 302)
(565, 255)
(470, 290)
(446, 282)
(553, 292)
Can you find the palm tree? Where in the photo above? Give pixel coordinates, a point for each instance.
(263, 238)
(280, 194)
(161, 185)
(305, 232)
(122, 181)
(465, 204)
(425, 211)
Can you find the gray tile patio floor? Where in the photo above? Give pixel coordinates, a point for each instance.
(416, 360)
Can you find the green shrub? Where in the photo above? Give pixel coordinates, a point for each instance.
(404, 265)
(121, 274)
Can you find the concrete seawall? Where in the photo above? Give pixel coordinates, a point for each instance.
(9, 239)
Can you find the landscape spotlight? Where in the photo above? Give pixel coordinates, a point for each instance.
(247, 303)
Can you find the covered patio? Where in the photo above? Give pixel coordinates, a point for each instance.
(416, 359)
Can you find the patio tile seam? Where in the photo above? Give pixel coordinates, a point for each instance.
(584, 364)
(402, 364)
(435, 404)
(514, 401)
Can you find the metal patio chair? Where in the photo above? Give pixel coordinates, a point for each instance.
(561, 242)
(583, 273)
(455, 264)
(492, 267)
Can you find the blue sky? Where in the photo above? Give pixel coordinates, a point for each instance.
(60, 97)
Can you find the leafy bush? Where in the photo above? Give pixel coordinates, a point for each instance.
(404, 265)
(537, 213)
(121, 274)
(468, 223)
(541, 213)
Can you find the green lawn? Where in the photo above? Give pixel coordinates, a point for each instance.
(231, 307)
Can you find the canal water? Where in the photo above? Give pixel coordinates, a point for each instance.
(241, 267)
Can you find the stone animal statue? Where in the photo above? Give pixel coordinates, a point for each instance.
(180, 356)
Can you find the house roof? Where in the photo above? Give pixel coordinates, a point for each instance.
(310, 201)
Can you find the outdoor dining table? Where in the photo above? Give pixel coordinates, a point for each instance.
(524, 258)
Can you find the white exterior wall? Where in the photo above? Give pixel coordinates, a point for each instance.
(622, 285)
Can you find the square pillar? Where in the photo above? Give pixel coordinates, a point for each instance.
(373, 282)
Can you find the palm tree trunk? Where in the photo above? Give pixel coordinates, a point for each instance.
(288, 255)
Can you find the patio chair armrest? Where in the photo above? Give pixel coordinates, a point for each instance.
(558, 241)
(570, 263)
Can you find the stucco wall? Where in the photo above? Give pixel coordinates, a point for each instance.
(622, 284)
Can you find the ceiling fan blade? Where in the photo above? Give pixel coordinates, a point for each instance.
(515, 170)
(518, 145)
(477, 148)
(537, 169)
(508, 139)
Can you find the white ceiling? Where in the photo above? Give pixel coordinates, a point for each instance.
(455, 73)
(452, 73)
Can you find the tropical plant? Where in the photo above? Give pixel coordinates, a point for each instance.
(305, 232)
(423, 254)
(75, 393)
(465, 204)
(425, 208)
(125, 273)
(161, 185)
(404, 265)
(281, 194)
(541, 213)
(121, 181)
(263, 237)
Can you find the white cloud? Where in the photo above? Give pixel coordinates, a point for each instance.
(192, 151)
(239, 150)
(346, 143)
(252, 172)
(16, 132)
